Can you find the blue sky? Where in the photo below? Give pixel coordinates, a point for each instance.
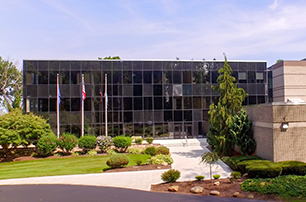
(153, 29)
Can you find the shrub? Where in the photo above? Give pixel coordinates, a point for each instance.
(171, 175)
(150, 151)
(242, 165)
(236, 174)
(216, 176)
(17, 129)
(87, 142)
(284, 186)
(67, 141)
(293, 167)
(163, 150)
(47, 144)
(159, 159)
(138, 162)
(122, 143)
(92, 152)
(104, 142)
(138, 140)
(111, 152)
(75, 154)
(134, 151)
(264, 170)
(199, 177)
(117, 161)
(149, 140)
(233, 161)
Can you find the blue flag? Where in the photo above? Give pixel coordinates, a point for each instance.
(59, 96)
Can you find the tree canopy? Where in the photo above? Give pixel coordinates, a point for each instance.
(10, 85)
(221, 114)
(110, 58)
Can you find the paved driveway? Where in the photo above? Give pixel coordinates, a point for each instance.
(73, 193)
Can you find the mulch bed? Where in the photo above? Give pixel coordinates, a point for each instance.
(226, 189)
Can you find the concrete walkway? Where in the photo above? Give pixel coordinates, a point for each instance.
(186, 160)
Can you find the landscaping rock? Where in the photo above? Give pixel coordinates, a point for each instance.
(173, 188)
(236, 194)
(217, 183)
(215, 192)
(164, 164)
(197, 190)
(250, 196)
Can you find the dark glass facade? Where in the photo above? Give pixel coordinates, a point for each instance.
(163, 99)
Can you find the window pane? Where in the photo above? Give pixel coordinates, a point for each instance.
(137, 76)
(147, 77)
(127, 103)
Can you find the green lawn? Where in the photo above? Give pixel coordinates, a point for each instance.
(60, 166)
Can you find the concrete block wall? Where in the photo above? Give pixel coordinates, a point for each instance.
(274, 143)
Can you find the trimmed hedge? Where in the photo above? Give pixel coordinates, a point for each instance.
(233, 161)
(264, 170)
(293, 167)
(242, 165)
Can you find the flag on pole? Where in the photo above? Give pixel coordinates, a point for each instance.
(106, 99)
(59, 96)
(100, 95)
(83, 90)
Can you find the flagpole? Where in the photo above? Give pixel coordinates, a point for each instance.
(82, 107)
(57, 106)
(106, 130)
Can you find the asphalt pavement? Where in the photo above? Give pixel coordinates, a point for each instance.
(67, 193)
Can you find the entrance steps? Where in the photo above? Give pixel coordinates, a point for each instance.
(182, 142)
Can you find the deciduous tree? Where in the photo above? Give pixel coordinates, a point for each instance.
(10, 85)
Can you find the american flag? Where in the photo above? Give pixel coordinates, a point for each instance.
(83, 90)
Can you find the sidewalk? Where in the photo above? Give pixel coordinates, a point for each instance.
(186, 160)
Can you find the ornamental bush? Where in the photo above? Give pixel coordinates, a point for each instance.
(162, 150)
(150, 151)
(17, 129)
(117, 161)
(236, 174)
(216, 176)
(134, 151)
(159, 159)
(171, 175)
(47, 144)
(149, 140)
(67, 141)
(104, 142)
(138, 140)
(92, 152)
(199, 177)
(122, 142)
(87, 142)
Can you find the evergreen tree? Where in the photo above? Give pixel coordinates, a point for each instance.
(221, 115)
(242, 129)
